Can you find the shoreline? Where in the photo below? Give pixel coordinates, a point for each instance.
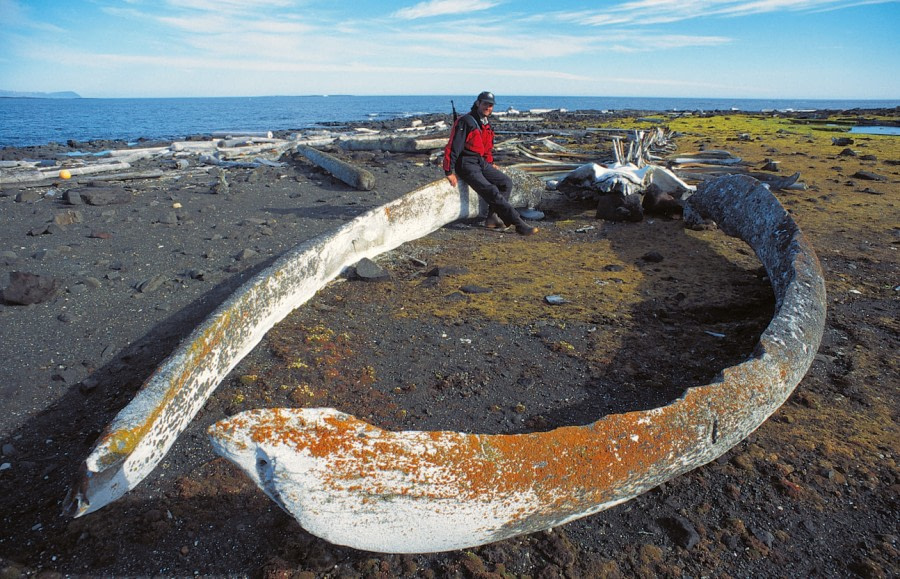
(364, 117)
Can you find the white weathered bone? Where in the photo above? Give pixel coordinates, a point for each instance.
(405, 492)
(142, 433)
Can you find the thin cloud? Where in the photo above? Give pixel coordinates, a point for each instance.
(221, 24)
(16, 16)
(650, 12)
(524, 46)
(168, 62)
(443, 8)
(241, 6)
(195, 24)
(669, 41)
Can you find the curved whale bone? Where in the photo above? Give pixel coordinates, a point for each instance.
(406, 492)
(142, 433)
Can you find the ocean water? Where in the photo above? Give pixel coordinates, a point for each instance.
(26, 122)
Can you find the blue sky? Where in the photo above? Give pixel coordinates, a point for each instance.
(666, 48)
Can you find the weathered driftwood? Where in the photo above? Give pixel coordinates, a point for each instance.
(776, 181)
(702, 165)
(703, 161)
(392, 144)
(131, 155)
(356, 177)
(545, 170)
(130, 176)
(236, 147)
(35, 176)
(355, 484)
(251, 164)
(269, 163)
(246, 141)
(552, 146)
(642, 146)
(535, 157)
(316, 141)
(710, 154)
(142, 433)
(518, 119)
(18, 164)
(532, 151)
(118, 159)
(273, 149)
(193, 146)
(28, 175)
(235, 134)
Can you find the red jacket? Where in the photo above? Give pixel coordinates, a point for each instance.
(469, 137)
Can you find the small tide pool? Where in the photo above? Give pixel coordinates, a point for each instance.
(876, 130)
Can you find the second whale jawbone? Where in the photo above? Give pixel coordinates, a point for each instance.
(410, 492)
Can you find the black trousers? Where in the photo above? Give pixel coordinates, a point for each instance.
(491, 184)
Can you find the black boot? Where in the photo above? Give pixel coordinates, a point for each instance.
(525, 229)
(493, 221)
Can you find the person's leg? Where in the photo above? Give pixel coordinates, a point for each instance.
(505, 185)
(476, 175)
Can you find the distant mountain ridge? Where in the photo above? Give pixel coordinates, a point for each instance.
(39, 95)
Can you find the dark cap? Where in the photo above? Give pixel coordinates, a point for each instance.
(487, 97)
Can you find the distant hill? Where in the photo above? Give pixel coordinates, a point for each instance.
(39, 95)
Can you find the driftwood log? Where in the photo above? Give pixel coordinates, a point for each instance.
(275, 149)
(130, 176)
(34, 176)
(392, 144)
(354, 176)
(235, 134)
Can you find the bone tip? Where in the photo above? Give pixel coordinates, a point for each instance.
(75, 504)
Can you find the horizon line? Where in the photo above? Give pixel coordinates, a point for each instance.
(50, 95)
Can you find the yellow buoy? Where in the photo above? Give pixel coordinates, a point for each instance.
(64, 174)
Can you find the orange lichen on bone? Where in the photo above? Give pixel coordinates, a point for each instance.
(588, 462)
(121, 441)
(322, 465)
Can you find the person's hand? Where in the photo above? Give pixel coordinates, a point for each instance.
(452, 178)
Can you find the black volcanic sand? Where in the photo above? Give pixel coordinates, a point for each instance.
(650, 310)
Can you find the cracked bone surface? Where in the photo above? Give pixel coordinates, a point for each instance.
(357, 485)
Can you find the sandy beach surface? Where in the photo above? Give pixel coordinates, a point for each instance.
(121, 272)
